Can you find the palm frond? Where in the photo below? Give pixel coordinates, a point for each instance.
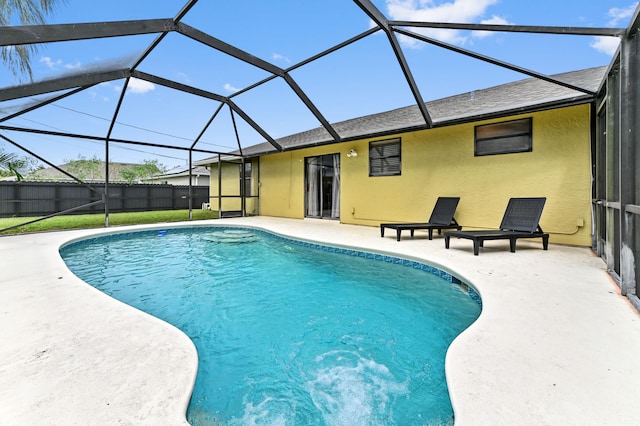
(26, 12)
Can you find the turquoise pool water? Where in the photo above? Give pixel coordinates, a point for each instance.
(291, 333)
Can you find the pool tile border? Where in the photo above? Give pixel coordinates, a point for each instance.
(389, 259)
(473, 294)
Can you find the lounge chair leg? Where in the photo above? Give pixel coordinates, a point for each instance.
(545, 242)
(446, 241)
(476, 247)
(398, 231)
(431, 233)
(512, 245)
(412, 232)
(381, 231)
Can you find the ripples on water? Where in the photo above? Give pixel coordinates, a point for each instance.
(287, 334)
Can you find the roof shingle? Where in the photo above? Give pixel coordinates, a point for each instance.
(528, 95)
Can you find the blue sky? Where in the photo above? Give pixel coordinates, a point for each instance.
(360, 79)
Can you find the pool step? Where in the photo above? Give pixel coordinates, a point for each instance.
(234, 236)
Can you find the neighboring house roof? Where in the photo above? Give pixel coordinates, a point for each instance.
(523, 96)
(195, 171)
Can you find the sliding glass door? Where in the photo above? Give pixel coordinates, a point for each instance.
(322, 186)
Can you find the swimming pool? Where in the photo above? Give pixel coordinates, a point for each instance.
(291, 332)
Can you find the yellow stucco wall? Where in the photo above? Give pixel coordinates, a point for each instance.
(282, 182)
(441, 162)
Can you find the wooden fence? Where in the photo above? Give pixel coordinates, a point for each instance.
(25, 199)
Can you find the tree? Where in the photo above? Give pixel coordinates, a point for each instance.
(8, 165)
(137, 172)
(84, 169)
(14, 165)
(93, 169)
(27, 12)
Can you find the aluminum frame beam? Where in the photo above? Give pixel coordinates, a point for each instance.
(206, 126)
(583, 31)
(245, 57)
(217, 44)
(64, 172)
(634, 25)
(62, 83)
(309, 60)
(101, 139)
(178, 86)
(382, 22)
(103, 197)
(203, 93)
(44, 103)
(68, 32)
(32, 34)
(253, 124)
(493, 61)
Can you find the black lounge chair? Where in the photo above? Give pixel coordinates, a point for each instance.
(520, 221)
(441, 218)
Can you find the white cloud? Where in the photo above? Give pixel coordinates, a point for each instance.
(50, 63)
(618, 14)
(458, 11)
(229, 88)
(606, 45)
(495, 20)
(73, 67)
(140, 86)
(98, 97)
(56, 64)
(184, 77)
(278, 57)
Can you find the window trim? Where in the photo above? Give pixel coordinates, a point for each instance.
(508, 148)
(373, 145)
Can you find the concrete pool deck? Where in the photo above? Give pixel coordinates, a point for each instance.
(556, 344)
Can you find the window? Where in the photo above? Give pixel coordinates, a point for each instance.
(384, 158)
(503, 138)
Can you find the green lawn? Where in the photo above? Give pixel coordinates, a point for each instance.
(86, 221)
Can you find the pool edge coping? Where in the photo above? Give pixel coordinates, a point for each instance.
(475, 398)
(453, 277)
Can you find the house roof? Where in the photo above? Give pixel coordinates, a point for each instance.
(89, 175)
(271, 100)
(197, 170)
(523, 96)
